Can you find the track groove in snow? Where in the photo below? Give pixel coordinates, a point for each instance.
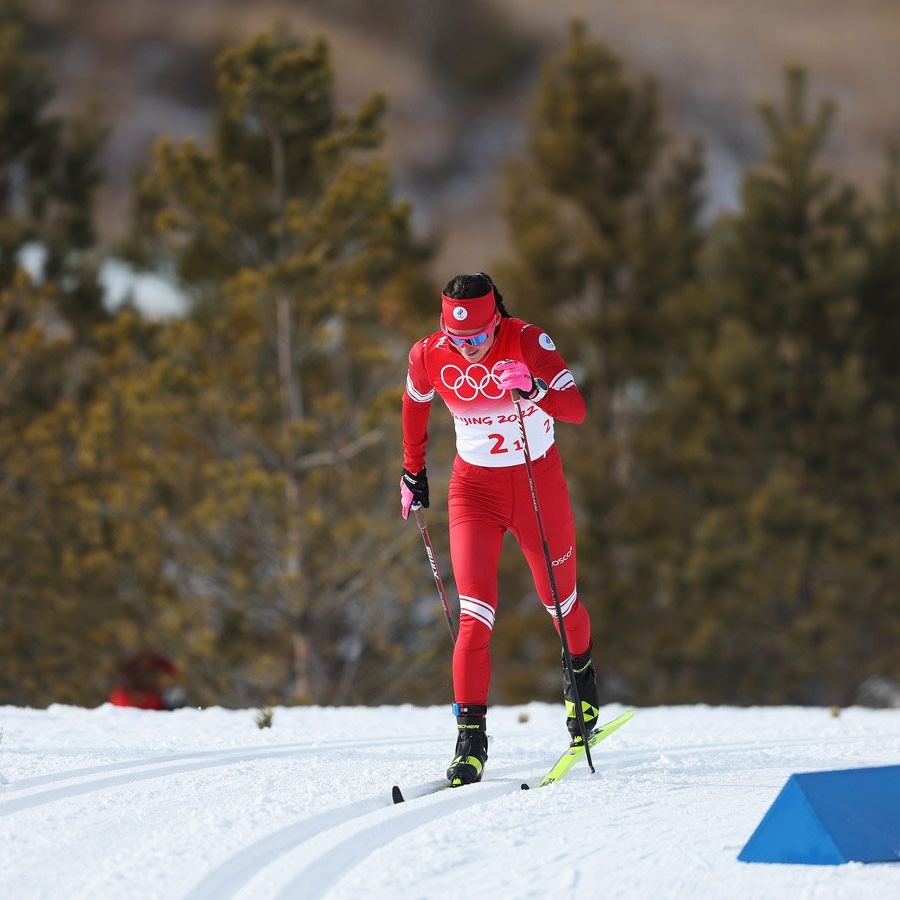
(159, 767)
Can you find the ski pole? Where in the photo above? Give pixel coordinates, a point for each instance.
(420, 521)
(567, 656)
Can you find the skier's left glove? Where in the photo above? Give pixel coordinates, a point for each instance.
(514, 375)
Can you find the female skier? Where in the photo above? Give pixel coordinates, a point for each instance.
(479, 354)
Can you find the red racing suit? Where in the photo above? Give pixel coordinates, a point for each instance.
(489, 488)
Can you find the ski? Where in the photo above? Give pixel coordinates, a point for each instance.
(573, 754)
(424, 790)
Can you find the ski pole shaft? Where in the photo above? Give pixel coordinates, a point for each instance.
(567, 656)
(429, 550)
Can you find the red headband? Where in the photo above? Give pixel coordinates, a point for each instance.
(468, 314)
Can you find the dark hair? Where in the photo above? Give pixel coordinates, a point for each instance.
(463, 287)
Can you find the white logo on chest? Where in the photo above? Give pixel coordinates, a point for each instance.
(467, 385)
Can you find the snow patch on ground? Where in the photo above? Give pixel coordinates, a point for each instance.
(122, 803)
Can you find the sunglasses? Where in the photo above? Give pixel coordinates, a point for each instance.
(471, 340)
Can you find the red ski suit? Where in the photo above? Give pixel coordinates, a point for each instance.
(489, 489)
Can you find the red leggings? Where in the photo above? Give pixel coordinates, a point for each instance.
(484, 504)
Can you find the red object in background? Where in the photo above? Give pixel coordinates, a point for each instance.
(140, 681)
(120, 696)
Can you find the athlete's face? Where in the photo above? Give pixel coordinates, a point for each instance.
(474, 354)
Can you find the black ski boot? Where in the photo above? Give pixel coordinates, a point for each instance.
(586, 682)
(471, 745)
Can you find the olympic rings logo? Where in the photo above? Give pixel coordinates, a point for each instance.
(477, 379)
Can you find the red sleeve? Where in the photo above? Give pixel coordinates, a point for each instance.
(416, 408)
(563, 400)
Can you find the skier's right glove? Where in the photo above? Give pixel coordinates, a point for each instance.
(413, 489)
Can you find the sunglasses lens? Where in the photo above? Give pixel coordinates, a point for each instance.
(475, 341)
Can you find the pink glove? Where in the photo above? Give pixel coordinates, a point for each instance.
(512, 374)
(406, 500)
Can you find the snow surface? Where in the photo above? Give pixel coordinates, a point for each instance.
(202, 804)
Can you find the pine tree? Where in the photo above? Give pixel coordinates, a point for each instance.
(56, 611)
(756, 456)
(604, 221)
(288, 371)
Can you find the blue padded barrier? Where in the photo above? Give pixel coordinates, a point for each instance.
(829, 818)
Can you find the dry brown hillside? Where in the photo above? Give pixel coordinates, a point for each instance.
(715, 59)
(149, 62)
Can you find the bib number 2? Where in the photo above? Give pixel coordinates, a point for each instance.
(500, 444)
